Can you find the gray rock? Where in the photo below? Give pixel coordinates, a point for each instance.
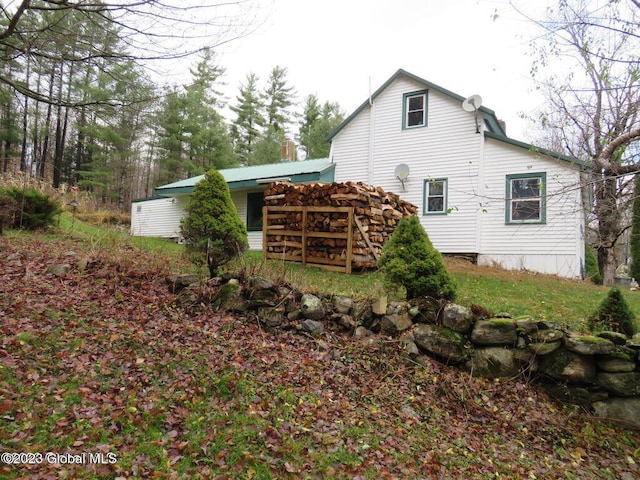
(546, 335)
(493, 362)
(178, 283)
(261, 283)
(589, 345)
(626, 409)
(620, 384)
(229, 297)
(571, 395)
(440, 341)
(59, 270)
(526, 326)
(611, 364)
(271, 316)
(569, 366)
(188, 296)
(312, 307)
(362, 332)
(494, 332)
(544, 348)
(345, 321)
(411, 349)
(457, 317)
(312, 326)
(395, 324)
(379, 306)
(343, 304)
(615, 337)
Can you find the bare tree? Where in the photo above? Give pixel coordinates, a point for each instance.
(588, 66)
(147, 30)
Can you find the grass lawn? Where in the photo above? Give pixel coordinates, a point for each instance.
(543, 297)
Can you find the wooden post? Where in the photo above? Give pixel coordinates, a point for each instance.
(304, 235)
(349, 240)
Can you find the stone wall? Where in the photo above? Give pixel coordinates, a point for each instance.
(599, 372)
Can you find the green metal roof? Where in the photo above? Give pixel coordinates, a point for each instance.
(542, 151)
(243, 177)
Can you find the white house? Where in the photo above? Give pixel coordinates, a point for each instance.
(160, 216)
(479, 192)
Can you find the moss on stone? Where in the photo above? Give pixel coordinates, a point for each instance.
(592, 339)
(501, 322)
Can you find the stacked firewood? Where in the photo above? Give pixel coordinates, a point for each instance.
(375, 216)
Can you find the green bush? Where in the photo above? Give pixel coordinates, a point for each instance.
(613, 314)
(28, 209)
(212, 229)
(410, 260)
(593, 272)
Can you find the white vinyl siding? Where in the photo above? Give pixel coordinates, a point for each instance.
(158, 217)
(479, 218)
(239, 198)
(556, 246)
(449, 148)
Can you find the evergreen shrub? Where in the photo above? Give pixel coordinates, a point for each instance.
(212, 229)
(613, 314)
(593, 272)
(410, 260)
(27, 208)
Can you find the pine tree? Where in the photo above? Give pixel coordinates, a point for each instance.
(317, 123)
(246, 128)
(613, 314)
(213, 231)
(410, 260)
(278, 98)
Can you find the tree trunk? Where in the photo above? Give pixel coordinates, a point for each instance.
(25, 120)
(609, 229)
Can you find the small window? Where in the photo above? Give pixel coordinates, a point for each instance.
(138, 208)
(255, 202)
(415, 110)
(525, 198)
(435, 196)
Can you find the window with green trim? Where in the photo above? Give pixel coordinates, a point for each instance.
(525, 198)
(414, 110)
(255, 202)
(435, 196)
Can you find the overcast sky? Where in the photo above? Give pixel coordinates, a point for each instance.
(336, 48)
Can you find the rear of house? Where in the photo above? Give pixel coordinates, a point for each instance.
(480, 193)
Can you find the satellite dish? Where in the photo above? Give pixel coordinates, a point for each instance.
(472, 103)
(402, 173)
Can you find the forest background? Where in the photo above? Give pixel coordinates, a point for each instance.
(79, 107)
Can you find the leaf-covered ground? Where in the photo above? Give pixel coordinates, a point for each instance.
(99, 361)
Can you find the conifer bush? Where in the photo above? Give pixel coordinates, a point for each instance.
(27, 209)
(613, 314)
(410, 260)
(212, 229)
(591, 264)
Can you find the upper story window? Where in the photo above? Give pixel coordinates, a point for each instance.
(525, 198)
(435, 196)
(415, 109)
